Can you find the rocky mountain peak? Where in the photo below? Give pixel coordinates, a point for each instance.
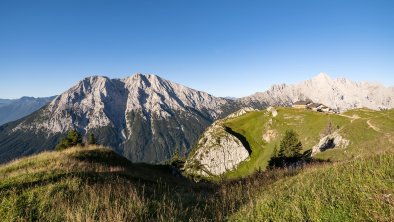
(341, 94)
(145, 117)
(98, 101)
(322, 77)
(321, 81)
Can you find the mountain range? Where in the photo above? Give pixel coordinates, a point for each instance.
(13, 109)
(147, 118)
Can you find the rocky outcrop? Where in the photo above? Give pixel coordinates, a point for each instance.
(273, 111)
(218, 151)
(334, 140)
(340, 94)
(269, 133)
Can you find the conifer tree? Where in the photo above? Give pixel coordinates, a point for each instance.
(91, 139)
(73, 138)
(289, 150)
(290, 145)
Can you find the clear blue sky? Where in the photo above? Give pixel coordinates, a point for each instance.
(226, 48)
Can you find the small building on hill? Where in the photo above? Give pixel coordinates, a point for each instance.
(301, 104)
(314, 106)
(325, 109)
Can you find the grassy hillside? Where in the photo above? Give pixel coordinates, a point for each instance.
(369, 132)
(96, 184)
(360, 190)
(92, 184)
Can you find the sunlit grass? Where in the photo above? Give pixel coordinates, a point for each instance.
(360, 190)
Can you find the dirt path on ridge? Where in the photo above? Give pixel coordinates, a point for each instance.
(372, 126)
(352, 118)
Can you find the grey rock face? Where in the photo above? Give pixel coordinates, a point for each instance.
(340, 94)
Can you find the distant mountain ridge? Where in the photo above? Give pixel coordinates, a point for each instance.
(13, 109)
(341, 94)
(4, 102)
(143, 117)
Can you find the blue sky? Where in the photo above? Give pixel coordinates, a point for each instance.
(226, 48)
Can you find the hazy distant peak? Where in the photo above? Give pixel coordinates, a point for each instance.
(14, 109)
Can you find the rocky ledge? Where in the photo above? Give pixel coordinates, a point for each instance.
(331, 141)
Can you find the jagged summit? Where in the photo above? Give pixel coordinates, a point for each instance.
(341, 94)
(151, 92)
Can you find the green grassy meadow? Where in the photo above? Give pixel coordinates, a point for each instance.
(352, 125)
